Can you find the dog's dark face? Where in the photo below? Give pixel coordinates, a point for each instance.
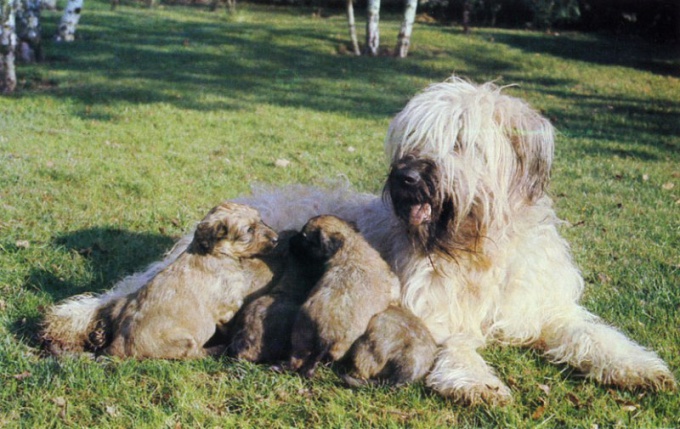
(321, 238)
(413, 186)
(234, 230)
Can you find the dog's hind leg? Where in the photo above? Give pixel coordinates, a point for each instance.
(461, 374)
(604, 354)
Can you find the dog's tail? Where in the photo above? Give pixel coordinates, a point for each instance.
(68, 325)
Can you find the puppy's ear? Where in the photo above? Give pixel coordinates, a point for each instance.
(330, 244)
(354, 226)
(207, 234)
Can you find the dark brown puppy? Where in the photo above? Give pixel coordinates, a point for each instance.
(176, 313)
(261, 330)
(356, 284)
(396, 349)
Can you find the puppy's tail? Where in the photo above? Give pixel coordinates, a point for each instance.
(67, 325)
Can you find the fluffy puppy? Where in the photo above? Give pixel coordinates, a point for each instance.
(176, 313)
(356, 284)
(261, 330)
(396, 349)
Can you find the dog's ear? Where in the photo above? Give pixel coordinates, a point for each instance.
(532, 138)
(354, 226)
(330, 244)
(207, 234)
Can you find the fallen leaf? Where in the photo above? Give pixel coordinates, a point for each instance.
(59, 401)
(575, 401)
(282, 163)
(3, 305)
(645, 177)
(351, 149)
(23, 244)
(538, 413)
(668, 186)
(629, 408)
(603, 278)
(545, 388)
(111, 410)
(22, 375)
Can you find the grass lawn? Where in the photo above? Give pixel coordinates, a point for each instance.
(117, 143)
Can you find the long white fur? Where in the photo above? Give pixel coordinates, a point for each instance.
(489, 147)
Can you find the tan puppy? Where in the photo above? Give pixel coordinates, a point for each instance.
(356, 284)
(396, 349)
(261, 330)
(176, 313)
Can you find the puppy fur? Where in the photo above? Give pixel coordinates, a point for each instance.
(261, 330)
(177, 312)
(356, 284)
(396, 349)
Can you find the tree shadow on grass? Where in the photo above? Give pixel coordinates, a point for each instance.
(216, 65)
(659, 59)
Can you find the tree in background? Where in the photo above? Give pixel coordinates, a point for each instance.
(8, 45)
(373, 32)
(28, 30)
(231, 5)
(404, 38)
(69, 21)
(352, 28)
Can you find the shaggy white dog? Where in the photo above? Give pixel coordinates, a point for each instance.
(466, 224)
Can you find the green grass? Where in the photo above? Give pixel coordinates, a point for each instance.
(123, 139)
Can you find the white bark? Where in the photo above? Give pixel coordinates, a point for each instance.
(28, 29)
(352, 27)
(372, 31)
(69, 21)
(8, 45)
(404, 39)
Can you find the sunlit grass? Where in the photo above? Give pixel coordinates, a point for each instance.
(123, 139)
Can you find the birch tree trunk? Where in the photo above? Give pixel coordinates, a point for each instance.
(352, 27)
(467, 8)
(8, 45)
(372, 31)
(28, 30)
(69, 21)
(404, 39)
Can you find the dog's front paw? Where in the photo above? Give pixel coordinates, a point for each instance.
(471, 389)
(496, 394)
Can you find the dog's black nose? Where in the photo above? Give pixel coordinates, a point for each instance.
(408, 176)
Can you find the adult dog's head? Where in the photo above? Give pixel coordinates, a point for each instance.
(464, 160)
(233, 230)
